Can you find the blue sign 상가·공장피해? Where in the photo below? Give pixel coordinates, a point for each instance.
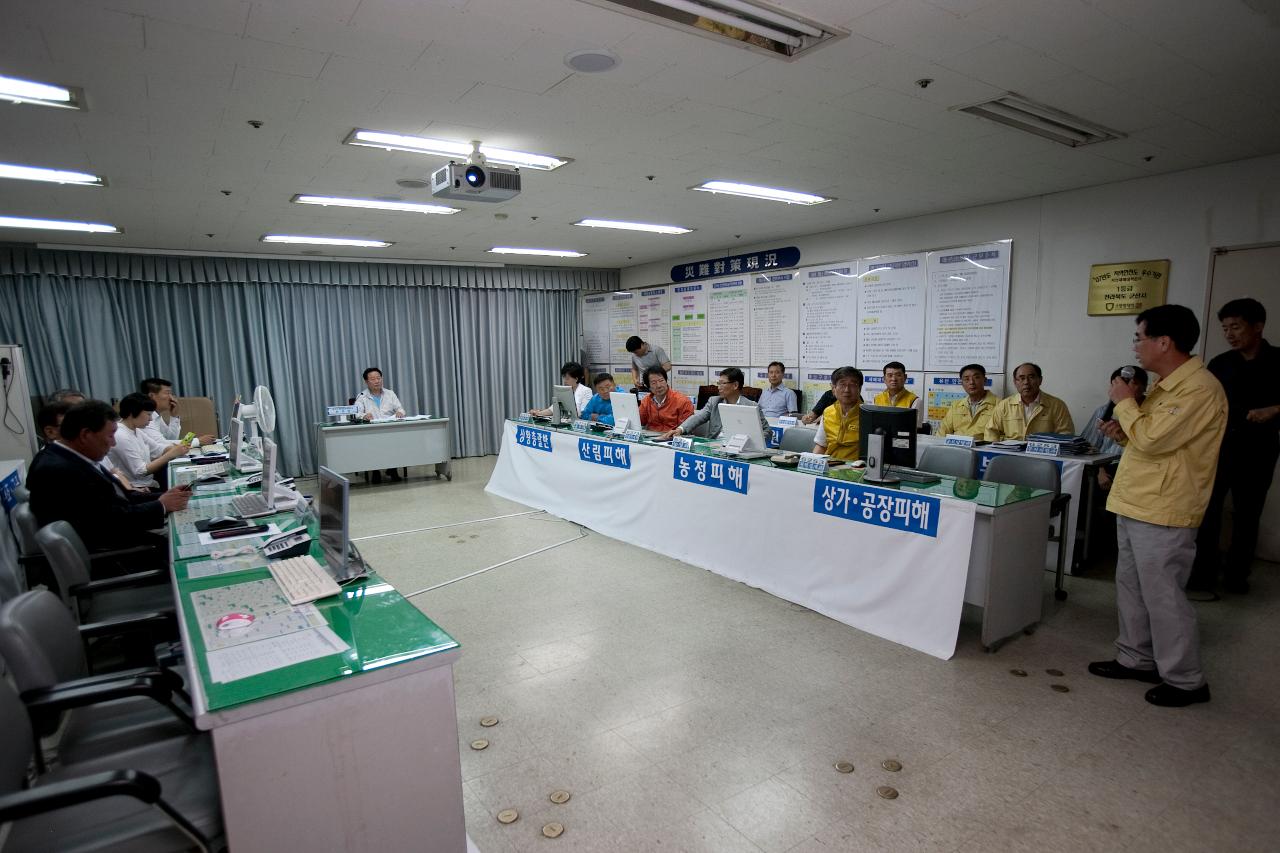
(538, 439)
(904, 511)
(604, 453)
(788, 256)
(710, 471)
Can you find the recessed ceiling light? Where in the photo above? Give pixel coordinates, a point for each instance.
(551, 253)
(42, 94)
(57, 225)
(752, 191)
(452, 148)
(326, 241)
(374, 204)
(633, 226)
(591, 61)
(53, 176)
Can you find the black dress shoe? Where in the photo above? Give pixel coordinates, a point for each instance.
(1168, 696)
(1202, 596)
(1115, 669)
(1236, 586)
(377, 477)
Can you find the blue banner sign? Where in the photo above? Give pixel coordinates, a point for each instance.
(907, 512)
(538, 439)
(788, 256)
(710, 471)
(604, 453)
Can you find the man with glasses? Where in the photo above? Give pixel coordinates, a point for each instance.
(1159, 497)
(842, 419)
(729, 387)
(1030, 410)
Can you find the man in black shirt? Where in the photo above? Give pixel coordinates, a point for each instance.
(1250, 374)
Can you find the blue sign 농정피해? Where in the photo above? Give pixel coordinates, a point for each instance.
(710, 471)
(538, 439)
(904, 511)
(604, 453)
(788, 256)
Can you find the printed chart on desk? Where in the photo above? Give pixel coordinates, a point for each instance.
(273, 615)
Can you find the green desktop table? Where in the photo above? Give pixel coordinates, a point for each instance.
(333, 725)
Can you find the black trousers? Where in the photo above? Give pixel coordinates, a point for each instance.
(1244, 472)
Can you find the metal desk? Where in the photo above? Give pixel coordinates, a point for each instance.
(352, 447)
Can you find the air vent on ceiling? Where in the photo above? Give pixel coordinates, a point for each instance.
(752, 24)
(1025, 114)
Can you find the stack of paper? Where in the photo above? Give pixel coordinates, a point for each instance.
(1008, 444)
(1073, 445)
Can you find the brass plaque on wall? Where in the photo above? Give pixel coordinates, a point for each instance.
(1128, 288)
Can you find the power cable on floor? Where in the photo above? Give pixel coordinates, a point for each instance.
(581, 535)
(442, 526)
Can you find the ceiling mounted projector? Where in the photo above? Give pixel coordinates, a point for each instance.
(475, 180)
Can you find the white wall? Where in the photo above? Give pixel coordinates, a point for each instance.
(1181, 216)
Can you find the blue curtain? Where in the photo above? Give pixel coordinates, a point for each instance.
(472, 344)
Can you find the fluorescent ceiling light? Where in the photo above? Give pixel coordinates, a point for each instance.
(752, 191)
(42, 94)
(326, 241)
(374, 204)
(633, 226)
(53, 176)
(550, 253)
(452, 148)
(1024, 114)
(57, 225)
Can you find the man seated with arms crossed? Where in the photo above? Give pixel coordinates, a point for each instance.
(895, 391)
(972, 415)
(730, 388)
(164, 420)
(68, 483)
(839, 434)
(1030, 410)
(643, 357)
(599, 409)
(777, 400)
(379, 403)
(131, 454)
(665, 408)
(571, 374)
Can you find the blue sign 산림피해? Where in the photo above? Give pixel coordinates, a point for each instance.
(710, 471)
(604, 453)
(788, 256)
(538, 439)
(903, 511)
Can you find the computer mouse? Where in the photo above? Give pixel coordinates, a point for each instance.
(858, 463)
(222, 522)
(232, 621)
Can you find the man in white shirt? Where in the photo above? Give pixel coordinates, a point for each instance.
(379, 403)
(777, 400)
(165, 423)
(131, 455)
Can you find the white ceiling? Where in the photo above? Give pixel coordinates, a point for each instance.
(171, 85)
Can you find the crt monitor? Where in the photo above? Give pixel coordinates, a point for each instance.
(334, 502)
(898, 426)
(625, 406)
(564, 408)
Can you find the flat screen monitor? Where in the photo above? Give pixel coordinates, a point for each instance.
(564, 408)
(625, 406)
(237, 435)
(898, 426)
(334, 502)
(743, 420)
(269, 472)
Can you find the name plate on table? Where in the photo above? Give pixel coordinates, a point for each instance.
(631, 435)
(681, 442)
(958, 441)
(735, 444)
(775, 435)
(604, 453)
(788, 421)
(338, 411)
(620, 426)
(711, 471)
(1043, 448)
(581, 425)
(538, 439)
(524, 418)
(812, 463)
(879, 507)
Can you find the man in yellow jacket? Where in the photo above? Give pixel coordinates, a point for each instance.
(895, 391)
(1030, 410)
(1159, 498)
(841, 421)
(970, 415)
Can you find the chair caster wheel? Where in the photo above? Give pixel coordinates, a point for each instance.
(1060, 594)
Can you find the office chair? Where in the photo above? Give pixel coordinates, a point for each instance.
(92, 714)
(149, 799)
(798, 439)
(951, 461)
(751, 393)
(1038, 474)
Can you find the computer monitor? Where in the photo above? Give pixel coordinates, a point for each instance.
(564, 407)
(898, 426)
(625, 406)
(237, 435)
(335, 542)
(743, 420)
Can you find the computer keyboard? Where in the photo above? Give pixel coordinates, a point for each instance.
(217, 469)
(249, 505)
(912, 475)
(302, 579)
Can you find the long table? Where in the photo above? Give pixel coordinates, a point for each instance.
(354, 748)
(351, 447)
(898, 563)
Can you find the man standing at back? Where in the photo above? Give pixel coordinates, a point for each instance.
(1250, 376)
(1030, 410)
(1159, 497)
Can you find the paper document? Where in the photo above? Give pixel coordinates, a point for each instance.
(262, 656)
(241, 563)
